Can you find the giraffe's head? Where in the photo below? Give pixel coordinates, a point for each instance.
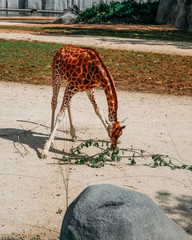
(115, 131)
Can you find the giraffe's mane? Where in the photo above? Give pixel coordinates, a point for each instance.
(108, 74)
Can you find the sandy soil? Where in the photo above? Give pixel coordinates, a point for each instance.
(35, 192)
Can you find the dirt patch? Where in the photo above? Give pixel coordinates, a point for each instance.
(35, 204)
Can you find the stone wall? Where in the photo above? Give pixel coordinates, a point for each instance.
(50, 4)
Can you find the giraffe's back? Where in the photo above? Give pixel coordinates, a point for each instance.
(81, 67)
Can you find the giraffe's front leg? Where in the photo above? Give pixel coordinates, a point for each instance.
(69, 92)
(52, 143)
(90, 94)
(46, 148)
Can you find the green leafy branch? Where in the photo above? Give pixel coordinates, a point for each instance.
(98, 160)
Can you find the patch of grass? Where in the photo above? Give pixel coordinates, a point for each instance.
(26, 62)
(126, 31)
(30, 62)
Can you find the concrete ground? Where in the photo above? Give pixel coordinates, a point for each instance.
(35, 192)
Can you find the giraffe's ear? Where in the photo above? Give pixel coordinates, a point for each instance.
(108, 124)
(123, 126)
(125, 119)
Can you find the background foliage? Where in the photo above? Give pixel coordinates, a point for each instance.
(127, 11)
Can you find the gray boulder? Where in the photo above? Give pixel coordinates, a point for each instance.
(164, 9)
(175, 12)
(189, 18)
(68, 16)
(107, 212)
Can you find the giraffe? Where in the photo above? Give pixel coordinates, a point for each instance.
(83, 70)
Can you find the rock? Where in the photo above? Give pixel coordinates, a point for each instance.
(175, 12)
(189, 18)
(68, 16)
(164, 9)
(107, 212)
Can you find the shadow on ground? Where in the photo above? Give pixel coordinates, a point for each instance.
(22, 138)
(182, 207)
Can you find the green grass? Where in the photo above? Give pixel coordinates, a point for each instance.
(30, 62)
(144, 32)
(26, 62)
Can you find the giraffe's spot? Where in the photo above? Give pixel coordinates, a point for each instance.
(78, 70)
(84, 68)
(96, 69)
(68, 67)
(76, 83)
(76, 55)
(89, 65)
(70, 60)
(71, 88)
(67, 74)
(108, 88)
(94, 82)
(74, 61)
(93, 69)
(83, 74)
(79, 63)
(88, 76)
(97, 77)
(79, 80)
(57, 61)
(75, 74)
(85, 82)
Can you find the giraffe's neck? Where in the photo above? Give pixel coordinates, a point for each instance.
(109, 88)
(111, 101)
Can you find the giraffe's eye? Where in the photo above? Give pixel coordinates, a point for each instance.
(118, 128)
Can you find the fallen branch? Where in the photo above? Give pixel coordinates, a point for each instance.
(99, 159)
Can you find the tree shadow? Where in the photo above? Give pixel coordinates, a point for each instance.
(120, 39)
(145, 34)
(180, 205)
(179, 45)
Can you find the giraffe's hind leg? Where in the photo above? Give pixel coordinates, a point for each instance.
(72, 129)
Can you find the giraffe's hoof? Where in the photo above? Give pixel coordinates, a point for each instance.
(74, 139)
(52, 145)
(43, 155)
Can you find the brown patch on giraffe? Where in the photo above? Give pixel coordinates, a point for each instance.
(86, 82)
(79, 80)
(78, 70)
